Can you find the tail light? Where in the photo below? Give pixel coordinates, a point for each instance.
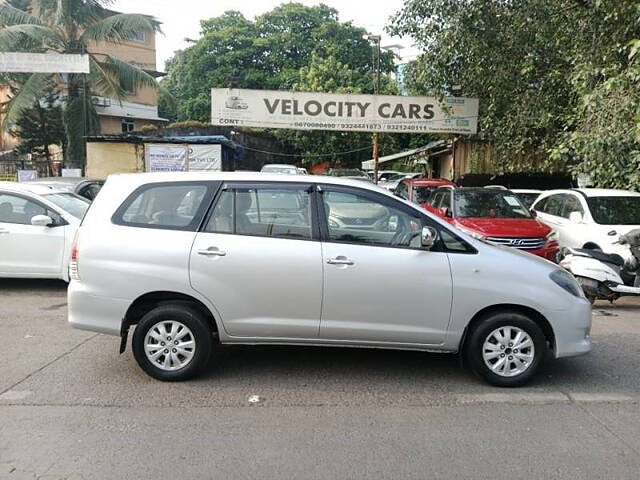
(74, 274)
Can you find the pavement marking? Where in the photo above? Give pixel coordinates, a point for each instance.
(15, 395)
(516, 397)
(599, 397)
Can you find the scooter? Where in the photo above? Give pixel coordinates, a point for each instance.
(602, 275)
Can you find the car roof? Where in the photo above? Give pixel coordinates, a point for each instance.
(525, 190)
(29, 188)
(257, 177)
(63, 180)
(435, 182)
(606, 192)
(283, 165)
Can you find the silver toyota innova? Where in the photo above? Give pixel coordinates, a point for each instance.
(192, 259)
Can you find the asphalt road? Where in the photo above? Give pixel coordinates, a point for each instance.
(71, 407)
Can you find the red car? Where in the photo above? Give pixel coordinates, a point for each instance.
(419, 190)
(496, 216)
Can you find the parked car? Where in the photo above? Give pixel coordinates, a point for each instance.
(349, 173)
(85, 187)
(282, 169)
(527, 196)
(383, 175)
(497, 216)
(590, 217)
(37, 225)
(419, 190)
(232, 268)
(392, 181)
(302, 171)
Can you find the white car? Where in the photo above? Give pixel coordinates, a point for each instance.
(191, 257)
(37, 226)
(590, 217)
(281, 169)
(392, 181)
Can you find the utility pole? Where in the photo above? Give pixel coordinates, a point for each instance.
(376, 39)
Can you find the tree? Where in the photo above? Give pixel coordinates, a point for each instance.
(556, 78)
(292, 47)
(41, 126)
(72, 26)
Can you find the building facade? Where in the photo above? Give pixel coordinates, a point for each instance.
(139, 107)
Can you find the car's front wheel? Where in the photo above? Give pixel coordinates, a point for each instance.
(172, 342)
(506, 349)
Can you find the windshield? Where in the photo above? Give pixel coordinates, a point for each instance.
(527, 199)
(349, 173)
(615, 210)
(485, 203)
(70, 203)
(283, 170)
(421, 194)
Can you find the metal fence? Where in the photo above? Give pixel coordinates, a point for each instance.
(12, 162)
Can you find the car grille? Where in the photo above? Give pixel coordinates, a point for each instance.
(523, 243)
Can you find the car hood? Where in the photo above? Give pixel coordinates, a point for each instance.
(505, 227)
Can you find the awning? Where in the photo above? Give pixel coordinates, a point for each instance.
(368, 164)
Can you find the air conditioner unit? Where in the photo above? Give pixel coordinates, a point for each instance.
(101, 101)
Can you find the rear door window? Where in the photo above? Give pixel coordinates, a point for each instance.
(173, 206)
(264, 212)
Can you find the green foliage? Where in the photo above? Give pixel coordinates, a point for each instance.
(292, 47)
(71, 26)
(188, 124)
(557, 79)
(41, 126)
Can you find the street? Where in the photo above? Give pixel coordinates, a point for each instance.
(71, 407)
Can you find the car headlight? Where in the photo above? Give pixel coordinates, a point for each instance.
(552, 236)
(567, 282)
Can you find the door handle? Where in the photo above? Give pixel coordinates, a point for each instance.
(212, 252)
(340, 261)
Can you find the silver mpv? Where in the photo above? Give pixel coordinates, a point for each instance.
(192, 259)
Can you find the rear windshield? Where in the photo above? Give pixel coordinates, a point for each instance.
(486, 203)
(70, 203)
(283, 170)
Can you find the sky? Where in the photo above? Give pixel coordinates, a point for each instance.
(181, 18)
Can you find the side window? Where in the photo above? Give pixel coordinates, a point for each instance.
(174, 206)
(436, 199)
(16, 209)
(446, 201)
(402, 190)
(263, 212)
(356, 218)
(90, 191)
(571, 204)
(553, 205)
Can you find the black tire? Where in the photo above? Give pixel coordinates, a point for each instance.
(200, 331)
(473, 349)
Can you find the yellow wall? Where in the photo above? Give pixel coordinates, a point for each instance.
(105, 158)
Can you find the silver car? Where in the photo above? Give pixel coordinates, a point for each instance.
(193, 259)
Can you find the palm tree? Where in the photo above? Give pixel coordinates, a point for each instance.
(72, 26)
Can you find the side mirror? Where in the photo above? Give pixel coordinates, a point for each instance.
(41, 221)
(575, 217)
(533, 213)
(428, 237)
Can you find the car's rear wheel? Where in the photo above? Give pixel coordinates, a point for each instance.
(172, 342)
(506, 349)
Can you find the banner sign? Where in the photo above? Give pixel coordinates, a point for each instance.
(205, 158)
(342, 112)
(21, 62)
(166, 158)
(27, 175)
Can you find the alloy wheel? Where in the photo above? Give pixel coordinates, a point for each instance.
(508, 351)
(169, 345)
